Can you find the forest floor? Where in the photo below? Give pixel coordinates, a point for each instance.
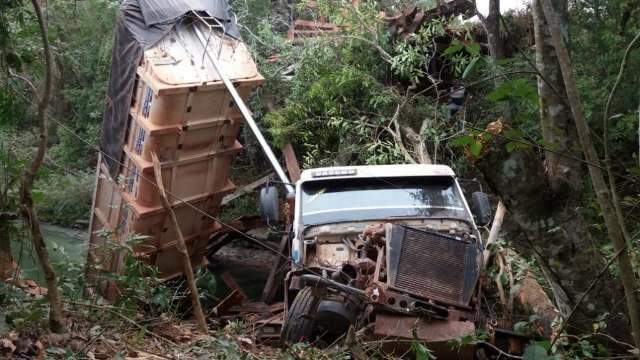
(110, 339)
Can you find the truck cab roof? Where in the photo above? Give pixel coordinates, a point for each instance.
(376, 171)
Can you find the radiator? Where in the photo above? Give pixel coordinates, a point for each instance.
(431, 265)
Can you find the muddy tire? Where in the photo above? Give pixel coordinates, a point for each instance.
(300, 323)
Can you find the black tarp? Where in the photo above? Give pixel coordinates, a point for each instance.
(140, 25)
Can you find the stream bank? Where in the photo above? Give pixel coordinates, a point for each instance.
(68, 247)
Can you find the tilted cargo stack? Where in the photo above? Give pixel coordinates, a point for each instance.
(181, 111)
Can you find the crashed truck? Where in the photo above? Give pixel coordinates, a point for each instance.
(393, 251)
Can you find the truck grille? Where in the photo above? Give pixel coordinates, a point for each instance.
(431, 265)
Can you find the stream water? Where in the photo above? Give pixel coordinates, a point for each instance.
(66, 246)
(69, 247)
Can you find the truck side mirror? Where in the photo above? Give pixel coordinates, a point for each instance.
(481, 208)
(269, 204)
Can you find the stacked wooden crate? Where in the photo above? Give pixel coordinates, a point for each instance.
(181, 111)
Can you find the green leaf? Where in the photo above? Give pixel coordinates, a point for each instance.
(473, 49)
(475, 148)
(43, 172)
(453, 48)
(513, 133)
(470, 67)
(420, 351)
(38, 196)
(535, 352)
(521, 327)
(500, 93)
(462, 140)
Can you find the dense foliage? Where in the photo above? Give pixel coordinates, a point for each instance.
(363, 95)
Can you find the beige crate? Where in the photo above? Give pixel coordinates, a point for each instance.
(179, 142)
(185, 179)
(128, 217)
(172, 105)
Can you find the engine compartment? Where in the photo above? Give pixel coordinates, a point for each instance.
(421, 265)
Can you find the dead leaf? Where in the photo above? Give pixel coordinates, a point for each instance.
(495, 127)
(6, 346)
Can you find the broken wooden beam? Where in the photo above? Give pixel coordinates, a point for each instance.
(232, 284)
(246, 189)
(290, 159)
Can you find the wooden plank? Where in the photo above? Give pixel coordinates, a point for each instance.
(292, 163)
(232, 284)
(236, 297)
(246, 189)
(270, 288)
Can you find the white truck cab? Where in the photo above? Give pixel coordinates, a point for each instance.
(336, 194)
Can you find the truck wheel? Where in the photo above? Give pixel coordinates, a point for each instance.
(300, 325)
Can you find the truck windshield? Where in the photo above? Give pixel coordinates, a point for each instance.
(326, 201)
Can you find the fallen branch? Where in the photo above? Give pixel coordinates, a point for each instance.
(396, 134)
(181, 247)
(498, 218)
(498, 280)
(246, 189)
(418, 145)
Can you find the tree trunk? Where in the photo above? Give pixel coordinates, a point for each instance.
(597, 179)
(6, 183)
(494, 36)
(6, 259)
(496, 226)
(556, 122)
(491, 25)
(552, 232)
(26, 199)
(563, 173)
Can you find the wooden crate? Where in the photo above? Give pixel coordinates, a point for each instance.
(185, 179)
(181, 111)
(118, 216)
(179, 142)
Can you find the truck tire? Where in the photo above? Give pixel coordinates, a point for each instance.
(300, 325)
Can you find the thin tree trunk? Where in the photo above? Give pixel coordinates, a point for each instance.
(181, 246)
(599, 185)
(491, 25)
(6, 259)
(607, 158)
(26, 198)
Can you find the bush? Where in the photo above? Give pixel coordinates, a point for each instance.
(65, 198)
